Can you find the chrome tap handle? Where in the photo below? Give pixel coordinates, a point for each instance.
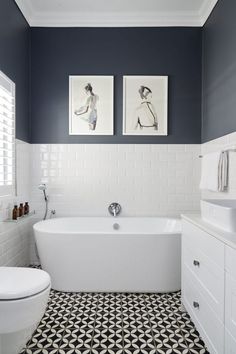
(114, 209)
(196, 305)
(196, 263)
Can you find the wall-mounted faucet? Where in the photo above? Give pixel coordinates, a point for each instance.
(114, 209)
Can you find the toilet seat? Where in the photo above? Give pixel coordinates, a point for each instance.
(18, 283)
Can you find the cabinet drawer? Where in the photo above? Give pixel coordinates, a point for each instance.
(208, 324)
(230, 261)
(230, 305)
(230, 343)
(209, 278)
(195, 238)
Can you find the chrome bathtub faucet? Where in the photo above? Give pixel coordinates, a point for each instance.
(114, 209)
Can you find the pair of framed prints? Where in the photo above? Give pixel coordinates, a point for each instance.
(145, 101)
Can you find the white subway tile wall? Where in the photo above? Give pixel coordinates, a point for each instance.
(15, 237)
(83, 179)
(222, 143)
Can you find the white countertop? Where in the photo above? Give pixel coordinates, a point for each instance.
(229, 238)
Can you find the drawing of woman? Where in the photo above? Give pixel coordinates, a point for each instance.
(90, 108)
(145, 116)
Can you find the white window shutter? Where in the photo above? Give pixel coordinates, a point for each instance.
(7, 136)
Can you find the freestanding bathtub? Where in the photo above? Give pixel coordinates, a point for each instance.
(107, 254)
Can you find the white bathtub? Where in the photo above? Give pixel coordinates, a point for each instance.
(87, 254)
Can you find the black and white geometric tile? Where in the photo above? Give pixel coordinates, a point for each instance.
(110, 323)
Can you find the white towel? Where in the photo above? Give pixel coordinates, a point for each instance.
(215, 171)
(223, 172)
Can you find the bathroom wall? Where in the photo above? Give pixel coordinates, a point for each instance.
(147, 175)
(146, 179)
(219, 72)
(15, 61)
(219, 87)
(60, 52)
(219, 144)
(15, 238)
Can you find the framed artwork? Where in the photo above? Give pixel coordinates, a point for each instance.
(145, 105)
(91, 105)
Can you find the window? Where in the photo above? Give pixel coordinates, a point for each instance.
(7, 136)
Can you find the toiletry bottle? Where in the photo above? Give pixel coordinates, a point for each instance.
(15, 213)
(21, 210)
(26, 208)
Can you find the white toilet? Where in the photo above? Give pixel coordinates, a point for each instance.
(24, 294)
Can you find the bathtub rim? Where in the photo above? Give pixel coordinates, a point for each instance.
(37, 227)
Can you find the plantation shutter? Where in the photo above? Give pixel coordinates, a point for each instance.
(7, 136)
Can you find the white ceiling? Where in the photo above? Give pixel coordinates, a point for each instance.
(116, 13)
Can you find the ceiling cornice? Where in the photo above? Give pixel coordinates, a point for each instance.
(116, 20)
(25, 8)
(152, 19)
(206, 10)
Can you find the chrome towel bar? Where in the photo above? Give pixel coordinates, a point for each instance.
(226, 150)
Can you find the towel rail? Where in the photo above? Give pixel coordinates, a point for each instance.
(225, 150)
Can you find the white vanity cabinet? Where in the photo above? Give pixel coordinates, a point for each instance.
(209, 286)
(230, 300)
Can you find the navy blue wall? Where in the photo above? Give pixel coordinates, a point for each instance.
(219, 71)
(15, 60)
(60, 52)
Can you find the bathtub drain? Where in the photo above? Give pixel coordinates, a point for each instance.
(116, 226)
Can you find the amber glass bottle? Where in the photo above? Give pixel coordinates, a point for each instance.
(26, 208)
(15, 213)
(21, 210)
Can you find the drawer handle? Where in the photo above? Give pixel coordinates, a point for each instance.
(196, 263)
(196, 305)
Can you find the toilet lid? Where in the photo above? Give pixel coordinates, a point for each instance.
(18, 283)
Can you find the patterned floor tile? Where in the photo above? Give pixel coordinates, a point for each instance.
(111, 323)
(136, 321)
(72, 323)
(192, 339)
(107, 351)
(109, 319)
(184, 322)
(73, 351)
(39, 351)
(170, 338)
(198, 351)
(140, 351)
(135, 303)
(176, 295)
(108, 338)
(76, 339)
(52, 322)
(138, 339)
(46, 338)
(168, 321)
(173, 351)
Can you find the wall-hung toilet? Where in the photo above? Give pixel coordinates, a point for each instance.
(24, 294)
